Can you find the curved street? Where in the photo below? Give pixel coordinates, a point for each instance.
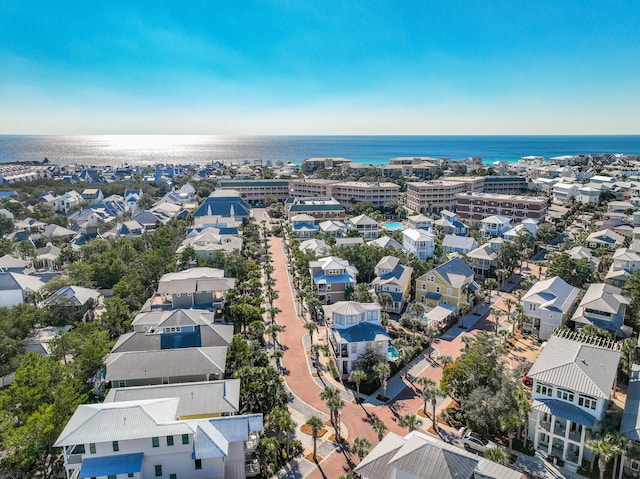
(356, 419)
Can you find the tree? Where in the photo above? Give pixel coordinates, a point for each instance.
(315, 423)
(356, 377)
(382, 370)
(509, 423)
(495, 312)
(605, 449)
(260, 390)
(430, 393)
(489, 285)
(6, 225)
(623, 445)
(360, 447)
(576, 272)
(361, 293)
(509, 256)
(380, 428)
(244, 314)
(410, 421)
(497, 455)
(385, 300)
(334, 402)
(311, 327)
(116, 317)
(273, 330)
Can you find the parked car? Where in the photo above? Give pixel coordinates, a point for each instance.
(474, 441)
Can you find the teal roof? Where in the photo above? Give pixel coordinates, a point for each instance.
(362, 332)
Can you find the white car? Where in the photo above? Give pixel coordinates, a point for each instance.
(476, 442)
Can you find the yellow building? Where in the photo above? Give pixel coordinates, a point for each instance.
(448, 284)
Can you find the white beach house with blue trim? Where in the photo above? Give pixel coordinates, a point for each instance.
(331, 276)
(572, 382)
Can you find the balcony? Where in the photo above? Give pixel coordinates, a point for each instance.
(74, 459)
(545, 425)
(252, 468)
(252, 442)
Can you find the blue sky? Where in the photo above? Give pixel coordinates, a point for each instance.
(325, 67)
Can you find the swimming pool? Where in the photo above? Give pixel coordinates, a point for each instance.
(393, 226)
(392, 353)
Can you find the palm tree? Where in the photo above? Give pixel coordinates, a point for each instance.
(524, 408)
(490, 284)
(495, 312)
(410, 421)
(277, 355)
(385, 300)
(418, 308)
(360, 447)
(605, 449)
(497, 455)
(273, 330)
(509, 423)
(315, 423)
(510, 304)
(502, 274)
(356, 377)
(430, 393)
(335, 405)
(445, 361)
(623, 444)
(382, 370)
(312, 328)
(380, 428)
(463, 306)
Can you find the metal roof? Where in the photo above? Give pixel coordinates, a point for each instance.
(565, 410)
(200, 398)
(576, 366)
(630, 425)
(111, 465)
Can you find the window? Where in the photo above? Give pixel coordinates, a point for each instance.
(544, 389)
(198, 463)
(130, 474)
(111, 476)
(116, 446)
(92, 448)
(431, 278)
(185, 439)
(564, 394)
(173, 476)
(169, 440)
(354, 348)
(158, 469)
(155, 441)
(424, 286)
(449, 293)
(437, 289)
(588, 402)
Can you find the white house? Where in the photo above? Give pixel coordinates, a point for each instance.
(419, 242)
(607, 238)
(15, 287)
(564, 192)
(146, 438)
(572, 382)
(603, 306)
(420, 222)
(365, 225)
(495, 225)
(625, 263)
(352, 328)
(588, 194)
(547, 305)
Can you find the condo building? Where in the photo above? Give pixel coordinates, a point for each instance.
(478, 206)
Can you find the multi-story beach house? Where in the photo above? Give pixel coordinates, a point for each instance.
(606, 238)
(449, 223)
(365, 225)
(303, 226)
(334, 228)
(572, 381)
(146, 438)
(395, 279)
(448, 284)
(420, 221)
(475, 207)
(458, 244)
(419, 242)
(564, 193)
(194, 288)
(547, 305)
(331, 276)
(312, 164)
(485, 257)
(494, 226)
(603, 306)
(354, 327)
(625, 263)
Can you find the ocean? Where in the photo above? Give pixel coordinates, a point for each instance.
(117, 150)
